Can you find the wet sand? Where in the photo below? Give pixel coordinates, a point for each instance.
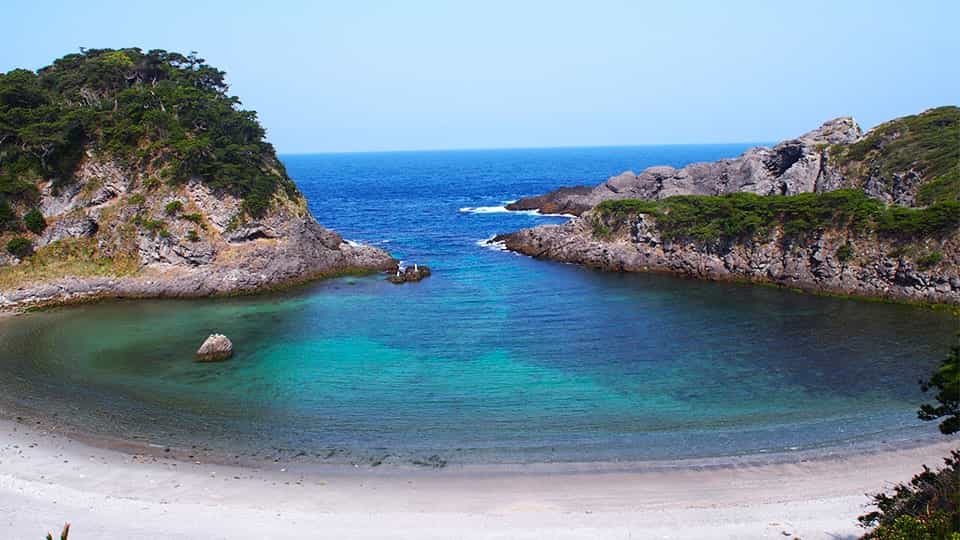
(47, 478)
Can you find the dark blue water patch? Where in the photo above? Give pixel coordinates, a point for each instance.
(496, 357)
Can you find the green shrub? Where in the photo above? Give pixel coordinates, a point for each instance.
(8, 219)
(600, 229)
(845, 252)
(627, 206)
(746, 215)
(192, 236)
(152, 225)
(934, 527)
(193, 218)
(925, 143)
(173, 207)
(34, 221)
(19, 247)
(930, 260)
(137, 199)
(154, 109)
(928, 507)
(946, 381)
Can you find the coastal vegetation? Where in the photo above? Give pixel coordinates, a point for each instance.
(741, 216)
(68, 257)
(927, 507)
(160, 112)
(117, 162)
(19, 246)
(927, 144)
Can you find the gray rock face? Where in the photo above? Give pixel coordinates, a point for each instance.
(207, 247)
(70, 226)
(216, 348)
(878, 267)
(793, 166)
(96, 182)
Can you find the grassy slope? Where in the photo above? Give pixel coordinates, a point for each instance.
(928, 143)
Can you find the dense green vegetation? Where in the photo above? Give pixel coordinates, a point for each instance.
(34, 221)
(928, 507)
(173, 207)
(161, 112)
(946, 381)
(19, 247)
(738, 216)
(845, 252)
(928, 143)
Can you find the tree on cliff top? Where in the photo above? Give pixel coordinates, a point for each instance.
(158, 111)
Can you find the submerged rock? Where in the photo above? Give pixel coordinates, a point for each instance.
(410, 274)
(217, 347)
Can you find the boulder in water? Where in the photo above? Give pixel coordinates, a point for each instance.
(216, 348)
(410, 274)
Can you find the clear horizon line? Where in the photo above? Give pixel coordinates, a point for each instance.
(490, 148)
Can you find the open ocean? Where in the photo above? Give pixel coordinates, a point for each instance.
(496, 358)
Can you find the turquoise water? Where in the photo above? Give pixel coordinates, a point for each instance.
(496, 358)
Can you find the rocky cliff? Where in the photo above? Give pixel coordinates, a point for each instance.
(830, 260)
(891, 162)
(108, 235)
(131, 174)
(834, 211)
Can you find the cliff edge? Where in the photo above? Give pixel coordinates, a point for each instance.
(132, 174)
(836, 211)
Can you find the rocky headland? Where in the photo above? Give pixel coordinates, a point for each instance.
(131, 174)
(834, 211)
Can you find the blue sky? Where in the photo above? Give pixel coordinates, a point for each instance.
(365, 75)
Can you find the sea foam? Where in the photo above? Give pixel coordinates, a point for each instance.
(503, 210)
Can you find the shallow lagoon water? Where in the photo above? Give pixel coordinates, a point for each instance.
(497, 358)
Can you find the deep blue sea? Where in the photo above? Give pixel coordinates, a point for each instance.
(496, 358)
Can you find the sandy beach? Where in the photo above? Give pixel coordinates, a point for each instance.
(47, 478)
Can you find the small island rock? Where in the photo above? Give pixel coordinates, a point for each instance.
(217, 347)
(409, 274)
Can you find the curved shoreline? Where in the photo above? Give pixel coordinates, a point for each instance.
(47, 478)
(346, 462)
(73, 291)
(573, 243)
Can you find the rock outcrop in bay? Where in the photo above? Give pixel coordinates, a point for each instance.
(834, 260)
(833, 211)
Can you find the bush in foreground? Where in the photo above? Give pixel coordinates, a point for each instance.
(927, 507)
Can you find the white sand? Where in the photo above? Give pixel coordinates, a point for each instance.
(47, 479)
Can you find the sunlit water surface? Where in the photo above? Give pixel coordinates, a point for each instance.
(497, 358)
